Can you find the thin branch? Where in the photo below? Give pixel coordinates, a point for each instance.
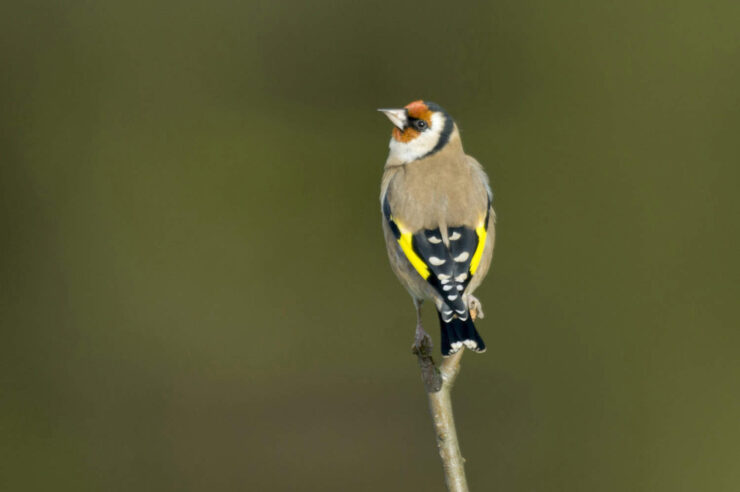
(438, 383)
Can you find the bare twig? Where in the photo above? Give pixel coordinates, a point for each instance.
(438, 383)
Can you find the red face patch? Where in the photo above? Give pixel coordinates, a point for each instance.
(419, 111)
(405, 136)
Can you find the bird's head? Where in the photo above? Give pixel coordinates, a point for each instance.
(422, 128)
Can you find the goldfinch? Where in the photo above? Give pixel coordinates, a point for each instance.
(438, 221)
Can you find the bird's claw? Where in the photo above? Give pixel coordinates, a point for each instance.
(475, 307)
(422, 342)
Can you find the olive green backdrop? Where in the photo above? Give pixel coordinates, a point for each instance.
(194, 289)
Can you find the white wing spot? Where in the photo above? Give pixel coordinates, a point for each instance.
(452, 297)
(444, 277)
(459, 287)
(434, 239)
(461, 257)
(446, 287)
(438, 261)
(461, 277)
(455, 236)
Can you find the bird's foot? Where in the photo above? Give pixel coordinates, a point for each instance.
(475, 307)
(422, 348)
(422, 342)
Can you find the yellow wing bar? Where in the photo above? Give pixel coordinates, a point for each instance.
(405, 241)
(481, 231)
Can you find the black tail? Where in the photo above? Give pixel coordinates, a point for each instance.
(457, 334)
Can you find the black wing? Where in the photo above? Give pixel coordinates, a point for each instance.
(448, 270)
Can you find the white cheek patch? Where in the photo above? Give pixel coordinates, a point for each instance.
(421, 145)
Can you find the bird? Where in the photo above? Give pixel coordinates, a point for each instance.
(438, 221)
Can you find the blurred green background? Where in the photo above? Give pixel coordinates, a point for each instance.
(194, 288)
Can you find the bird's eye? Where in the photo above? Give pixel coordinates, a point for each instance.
(420, 125)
